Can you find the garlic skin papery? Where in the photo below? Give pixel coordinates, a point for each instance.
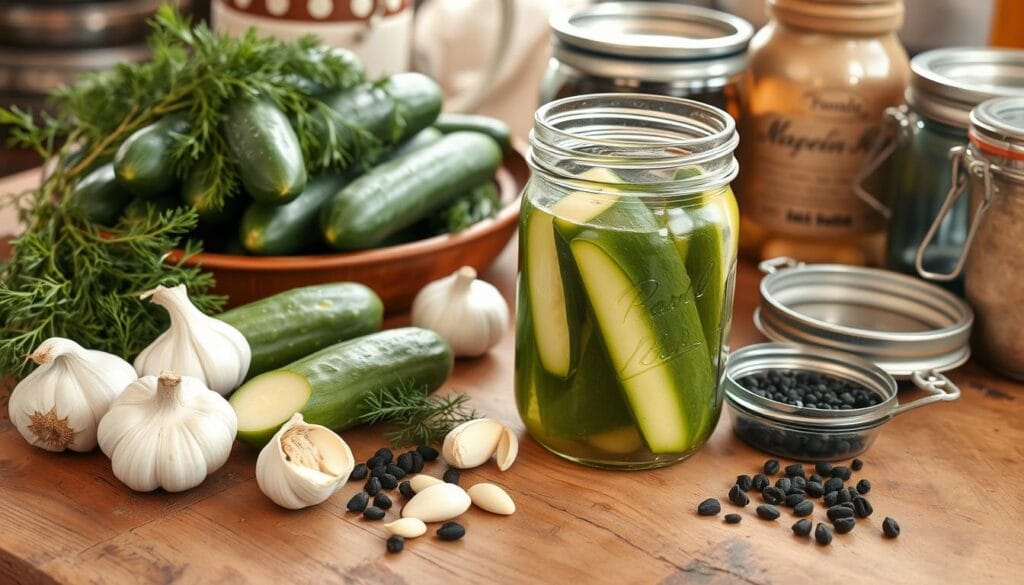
(59, 405)
(169, 431)
(470, 314)
(303, 464)
(195, 344)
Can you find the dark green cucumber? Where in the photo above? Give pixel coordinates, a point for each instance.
(267, 150)
(401, 192)
(143, 162)
(388, 112)
(645, 308)
(289, 325)
(198, 183)
(493, 127)
(330, 387)
(99, 197)
(280, 230)
(424, 137)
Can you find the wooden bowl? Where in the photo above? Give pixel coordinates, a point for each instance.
(396, 273)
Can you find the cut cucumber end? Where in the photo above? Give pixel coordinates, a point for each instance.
(266, 402)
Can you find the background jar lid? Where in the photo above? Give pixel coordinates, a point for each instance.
(946, 84)
(900, 323)
(997, 128)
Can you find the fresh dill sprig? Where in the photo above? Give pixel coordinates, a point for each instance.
(418, 417)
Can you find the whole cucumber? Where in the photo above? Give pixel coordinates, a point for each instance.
(99, 197)
(449, 122)
(330, 387)
(195, 190)
(267, 150)
(280, 230)
(143, 161)
(397, 194)
(289, 325)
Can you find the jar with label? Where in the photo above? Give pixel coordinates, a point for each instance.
(822, 72)
(627, 254)
(993, 256)
(648, 47)
(944, 86)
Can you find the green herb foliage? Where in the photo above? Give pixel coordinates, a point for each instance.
(477, 205)
(73, 279)
(418, 417)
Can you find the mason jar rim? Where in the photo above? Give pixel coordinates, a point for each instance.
(646, 132)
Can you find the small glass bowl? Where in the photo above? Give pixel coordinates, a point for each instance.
(812, 434)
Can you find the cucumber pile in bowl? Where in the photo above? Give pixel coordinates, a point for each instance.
(425, 173)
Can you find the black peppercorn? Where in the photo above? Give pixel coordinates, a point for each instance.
(856, 464)
(382, 501)
(451, 531)
(836, 512)
(373, 513)
(771, 467)
(760, 482)
(814, 489)
(709, 507)
(795, 470)
(833, 484)
(405, 462)
(738, 496)
(396, 544)
(359, 472)
(427, 452)
(396, 471)
(372, 486)
(417, 462)
(358, 502)
(863, 486)
(804, 508)
(388, 481)
(802, 527)
(452, 475)
(798, 482)
(378, 471)
(842, 472)
(890, 528)
(405, 488)
(744, 482)
(784, 484)
(831, 499)
(843, 496)
(823, 534)
(733, 518)
(375, 461)
(385, 454)
(768, 512)
(844, 525)
(824, 468)
(793, 499)
(772, 495)
(816, 478)
(862, 507)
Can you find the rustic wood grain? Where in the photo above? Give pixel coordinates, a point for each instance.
(950, 474)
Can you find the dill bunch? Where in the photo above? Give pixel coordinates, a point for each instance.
(418, 418)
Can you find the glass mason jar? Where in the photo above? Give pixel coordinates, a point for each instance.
(945, 85)
(992, 259)
(648, 47)
(822, 72)
(627, 252)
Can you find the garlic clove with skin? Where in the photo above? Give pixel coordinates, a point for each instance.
(303, 464)
(195, 344)
(167, 432)
(469, 313)
(59, 405)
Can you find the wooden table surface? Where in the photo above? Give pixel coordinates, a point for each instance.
(951, 474)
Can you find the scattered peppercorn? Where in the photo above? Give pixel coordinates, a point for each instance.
(738, 496)
(862, 507)
(831, 499)
(890, 528)
(404, 462)
(772, 495)
(844, 496)
(451, 531)
(375, 461)
(795, 470)
(388, 481)
(843, 472)
(396, 471)
(771, 467)
(846, 505)
(804, 508)
(733, 518)
(833, 484)
(793, 499)
(814, 489)
(836, 512)
(844, 525)
(802, 527)
(768, 512)
(358, 502)
(396, 544)
(382, 501)
(385, 454)
(417, 462)
(853, 492)
(863, 486)
(359, 472)
(405, 488)
(427, 452)
(760, 482)
(823, 468)
(372, 486)
(816, 478)
(784, 484)
(709, 507)
(373, 513)
(798, 482)
(823, 534)
(745, 482)
(378, 471)
(856, 464)
(452, 475)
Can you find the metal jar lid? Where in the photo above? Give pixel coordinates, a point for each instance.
(946, 84)
(997, 128)
(900, 323)
(656, 41)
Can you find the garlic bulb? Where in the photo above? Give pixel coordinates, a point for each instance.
(168, 432)
(303, 464)
(59, 405)
(195, 345)
(469, 313)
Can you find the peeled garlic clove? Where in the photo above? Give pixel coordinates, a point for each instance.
(420, 482)
(492, 498)
(437, 503)
(472, 443)
(303, 464)
(508, 448)
(407, 527)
